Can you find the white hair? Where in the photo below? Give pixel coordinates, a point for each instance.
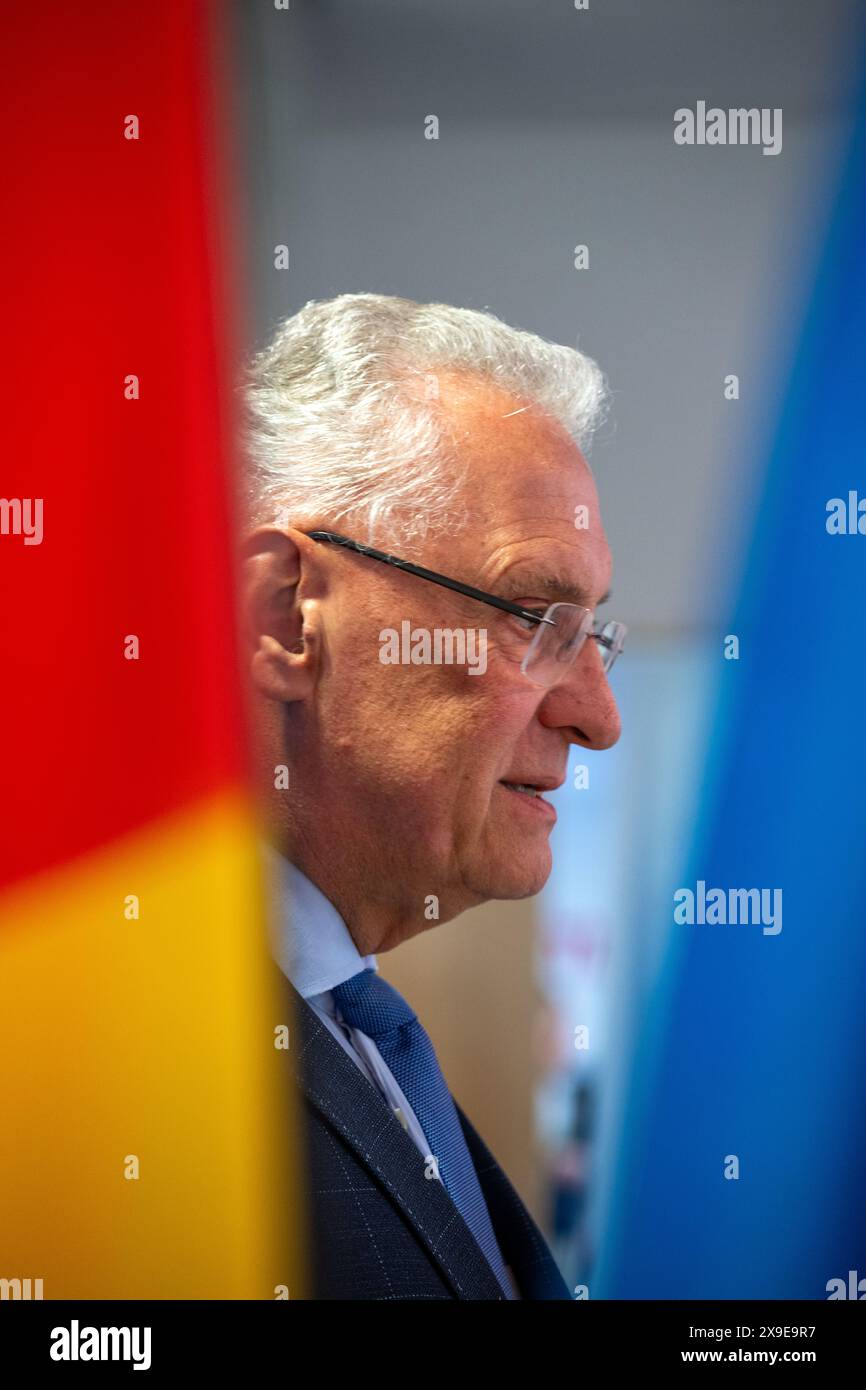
(342, 413)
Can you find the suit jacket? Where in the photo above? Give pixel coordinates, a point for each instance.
(378, 1228)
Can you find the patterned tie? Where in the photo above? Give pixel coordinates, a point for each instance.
(369, 1003)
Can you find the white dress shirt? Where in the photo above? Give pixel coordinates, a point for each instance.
(313, 948)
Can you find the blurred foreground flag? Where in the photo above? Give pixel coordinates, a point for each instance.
(145, 1144)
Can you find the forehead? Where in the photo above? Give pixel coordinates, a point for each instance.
(530, 497)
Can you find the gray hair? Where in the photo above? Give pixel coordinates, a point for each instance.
(342, 415)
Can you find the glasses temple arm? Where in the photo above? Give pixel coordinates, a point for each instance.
(431, 575)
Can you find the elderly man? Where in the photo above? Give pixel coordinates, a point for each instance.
(416, 475)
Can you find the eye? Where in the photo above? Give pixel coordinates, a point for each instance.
(525, 624)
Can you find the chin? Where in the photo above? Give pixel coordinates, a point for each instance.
(520, 876)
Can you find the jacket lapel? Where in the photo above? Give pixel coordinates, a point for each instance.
(522, 1244)
(344, 1097)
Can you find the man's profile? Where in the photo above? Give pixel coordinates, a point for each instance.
(418, 496)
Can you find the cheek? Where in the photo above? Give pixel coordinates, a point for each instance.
(486, 730)
(436, 726)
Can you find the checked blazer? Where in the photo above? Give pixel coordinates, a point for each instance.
(379, 1229)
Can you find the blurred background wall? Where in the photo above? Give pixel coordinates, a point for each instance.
(556, 130)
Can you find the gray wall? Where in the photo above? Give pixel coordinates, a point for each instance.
(556, 128)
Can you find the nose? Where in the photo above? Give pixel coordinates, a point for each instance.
(582, 704)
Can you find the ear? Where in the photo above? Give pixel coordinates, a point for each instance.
(282, 632)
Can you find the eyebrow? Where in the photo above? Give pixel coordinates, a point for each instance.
(548, 583)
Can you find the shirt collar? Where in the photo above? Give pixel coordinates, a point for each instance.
(310, 941)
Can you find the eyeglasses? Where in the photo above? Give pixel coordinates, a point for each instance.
(560, 629)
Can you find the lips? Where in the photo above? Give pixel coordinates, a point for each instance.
(522, 787)
(533, 786)
(528, 795)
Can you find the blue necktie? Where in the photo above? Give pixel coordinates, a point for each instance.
(369, 1003)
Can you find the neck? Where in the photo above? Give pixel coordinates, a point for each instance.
(378, 907)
